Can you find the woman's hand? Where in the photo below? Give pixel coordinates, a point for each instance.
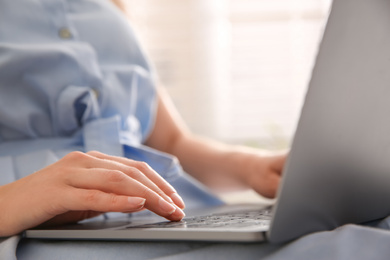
(83, 185)
(263, 172)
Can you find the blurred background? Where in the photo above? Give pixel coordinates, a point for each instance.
(237, 70)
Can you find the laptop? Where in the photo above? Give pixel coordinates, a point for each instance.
(338, 170)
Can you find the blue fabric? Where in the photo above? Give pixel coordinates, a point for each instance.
(60, 84)
(66, 87)
(74, 78)
(91, 88)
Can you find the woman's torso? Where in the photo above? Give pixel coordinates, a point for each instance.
(64, 63)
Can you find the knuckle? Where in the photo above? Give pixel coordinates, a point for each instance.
(75, 156)
(162, 194)
(134, 173)
(144, 192)
(142, 166)
(113, 200)
(115, 176)
(94, 153)
(91, 196)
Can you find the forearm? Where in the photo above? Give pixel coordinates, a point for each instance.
(213, 163)
(227, 167)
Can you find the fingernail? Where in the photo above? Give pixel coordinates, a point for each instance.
(136, 202)
(169, 199)
(166, 207)
(178, 214)
(178, 200)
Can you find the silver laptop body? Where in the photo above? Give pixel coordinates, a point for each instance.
(338, 170)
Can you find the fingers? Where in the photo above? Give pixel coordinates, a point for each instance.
(95, 200)
(115, 182)
(265, 177)
(278, 163)
(112, 176)
(145, 174)
(270, 187)
(271, 175)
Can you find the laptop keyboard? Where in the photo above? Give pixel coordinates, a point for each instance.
(260, 217)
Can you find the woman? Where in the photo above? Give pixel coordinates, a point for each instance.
(80, 108)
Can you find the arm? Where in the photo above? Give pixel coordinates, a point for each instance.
(215, 164)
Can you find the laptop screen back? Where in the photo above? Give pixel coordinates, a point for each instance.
(339, 168)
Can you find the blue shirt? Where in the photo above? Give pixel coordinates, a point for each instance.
(73, 77)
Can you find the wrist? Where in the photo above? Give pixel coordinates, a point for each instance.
(243, 161)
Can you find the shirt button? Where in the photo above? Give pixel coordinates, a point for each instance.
(65, 33)
(95, 92)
